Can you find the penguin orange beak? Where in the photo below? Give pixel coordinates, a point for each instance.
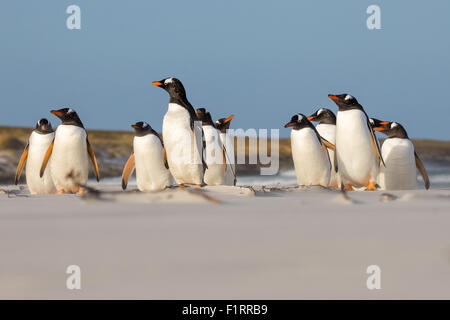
(56, 112)
(378, 129)
(384, 122)
(289, 124)
(310, 118)
(157, 83)
(333, 97)
(134, 126)
(228, 119)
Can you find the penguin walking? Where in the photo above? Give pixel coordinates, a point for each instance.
(215, 155)
(223, 124)
(183, 136)
(68, 154)
(149, 159)
(38, 143)
(309, 153)
(358, 155)
(400, 158)
(326, 128)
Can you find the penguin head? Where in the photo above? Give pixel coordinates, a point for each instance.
(391, 129)
(142, 128)
(323, 115)
(298, 121)
(44, 126)
(173, 86)
(345, 101)
(223, 124)
(205, 117)
(377, 123)
(68, 116)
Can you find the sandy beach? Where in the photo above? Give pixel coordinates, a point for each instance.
(225, 243)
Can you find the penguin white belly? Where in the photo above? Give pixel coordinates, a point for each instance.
(184, 152)
(328, 131)
(38, 145)
(69, 156)
(357, 160)
(400, 171)
(215, 173)
(311, 163)
(228, 141)
(151, 173)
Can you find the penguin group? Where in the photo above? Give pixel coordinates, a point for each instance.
(191, 151)
(343, 151)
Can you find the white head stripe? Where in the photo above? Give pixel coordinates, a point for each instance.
(70, 110)
(145, 125)
(320, 111)
(394, 124)
(371, 121)
(348, 97)
(169, 80)
(299, 117)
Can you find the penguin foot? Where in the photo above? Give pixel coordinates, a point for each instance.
(348, 187)
(371, 186)
(198, 185)
(61, 191)
(81, 191)
(180, 185)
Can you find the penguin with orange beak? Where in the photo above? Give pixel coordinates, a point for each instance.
(223, 124)
(326, 127)
(358, 155)
(400, 158)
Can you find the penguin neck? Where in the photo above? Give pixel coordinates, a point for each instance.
(43, 132)
(73, 122)
(184, 102)
(328, 120)
(399, 132)
(344, 107)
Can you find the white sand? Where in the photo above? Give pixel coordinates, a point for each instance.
(270, 244)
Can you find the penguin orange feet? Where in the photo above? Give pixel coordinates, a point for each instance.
(180, 185)
(81, 191)
(371, 186)
(198, 185)
(61, 191)
(348, 187)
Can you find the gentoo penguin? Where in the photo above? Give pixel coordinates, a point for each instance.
(68, 154)
(326, 128)
(223, 124)
(309, 153)
(358, 155)
(183, 136)
(38, 143)
(214, 151)
(149, 159)
(400, 158)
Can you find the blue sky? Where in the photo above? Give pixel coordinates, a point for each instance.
(260, 60)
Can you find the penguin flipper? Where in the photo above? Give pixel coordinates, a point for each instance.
(166, 164)
(127, 171)
(375, 145)
(47, 155)
(22, 161)
(93, 159)
(328, 144)
(423, 171)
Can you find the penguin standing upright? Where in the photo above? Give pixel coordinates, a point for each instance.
(309, 153)
(183, 136)
(215, 155)
(326, 128)
(223, 124)
(152, 170)
(400, 158)
(357, 153)
(38, 143)
(68, 154)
